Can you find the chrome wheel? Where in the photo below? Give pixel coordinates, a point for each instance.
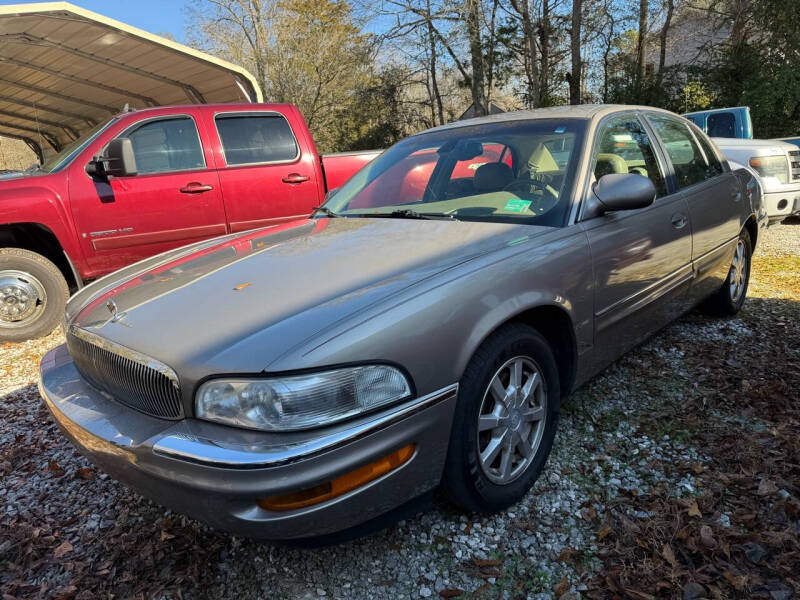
(738, 273)
(511, 420)
(22, 298)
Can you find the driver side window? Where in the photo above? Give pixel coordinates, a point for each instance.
(623, 146)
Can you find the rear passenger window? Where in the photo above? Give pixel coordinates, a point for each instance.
(254, 139)
(688, 159)
(167, 145)
(624, 147)
(714, 166)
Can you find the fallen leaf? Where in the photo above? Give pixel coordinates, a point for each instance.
(693, 510)
(165, 535)
(766, 487)
(451, 593)
(637, 595)
(737, 581)
(85, 473)
(562, 587)
(63, 549)
(707, 537)
(669, 555)
(604, 533)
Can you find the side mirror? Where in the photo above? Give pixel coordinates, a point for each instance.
(620, 191)
(117, 160)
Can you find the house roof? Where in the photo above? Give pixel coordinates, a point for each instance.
(64, 69)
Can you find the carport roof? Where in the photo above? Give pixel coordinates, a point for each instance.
(64, 69)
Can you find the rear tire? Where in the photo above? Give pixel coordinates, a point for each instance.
(728, 299)
(516, 413)
(33, 295)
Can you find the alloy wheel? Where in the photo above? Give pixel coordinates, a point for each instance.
(511, 420)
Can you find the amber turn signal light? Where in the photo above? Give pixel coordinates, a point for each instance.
(340, 485)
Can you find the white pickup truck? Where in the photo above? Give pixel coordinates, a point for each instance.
(777, 166)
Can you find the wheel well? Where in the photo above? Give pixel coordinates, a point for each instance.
(555, 325)
(752, 228)
(38, 238)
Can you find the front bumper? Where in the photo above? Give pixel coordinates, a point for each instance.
(216, 473)
(782, 204)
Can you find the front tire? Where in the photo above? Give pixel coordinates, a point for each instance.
(728, 299)
(505, 421)
(33, 295)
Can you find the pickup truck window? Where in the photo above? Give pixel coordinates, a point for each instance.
(623, 146)
(256, 139)
(71, 150)
(683, 149)
(721, 125)
(166, 145)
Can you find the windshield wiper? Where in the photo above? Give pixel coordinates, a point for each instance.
(325, 211)
(407, 213)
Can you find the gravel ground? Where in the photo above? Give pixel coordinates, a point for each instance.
(67, 530)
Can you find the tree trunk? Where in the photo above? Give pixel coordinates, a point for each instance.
(437, 96)
(662, 57)
(544, 45)
(478, 78)
(641, 46)
(531, 65)
(575, 48)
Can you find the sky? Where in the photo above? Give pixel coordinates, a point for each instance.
(154, 16)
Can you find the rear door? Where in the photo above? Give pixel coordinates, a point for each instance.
(174, 198)
(641, 258)
(713, 197)
(267, 175)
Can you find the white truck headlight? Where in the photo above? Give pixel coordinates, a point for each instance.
(294, 402)
(772, 166)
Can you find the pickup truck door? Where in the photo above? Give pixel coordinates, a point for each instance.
(641, 258)
(267, 175)
(174, 198)
(713, 196)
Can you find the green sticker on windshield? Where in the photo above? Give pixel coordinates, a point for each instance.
(517, 205)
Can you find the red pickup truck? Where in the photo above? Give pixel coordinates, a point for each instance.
(147, 181)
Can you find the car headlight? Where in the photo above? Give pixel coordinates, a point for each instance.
(772, 166)
(292, 402)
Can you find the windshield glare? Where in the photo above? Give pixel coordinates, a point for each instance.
(68, 152)
(513, 171)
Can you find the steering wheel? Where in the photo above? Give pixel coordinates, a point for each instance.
(544, 202)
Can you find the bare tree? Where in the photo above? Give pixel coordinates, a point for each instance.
(574, 76)
(641, 45)
(530, 59)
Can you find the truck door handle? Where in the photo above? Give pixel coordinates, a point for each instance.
(678, 220)
(195, 187)
(294, 178)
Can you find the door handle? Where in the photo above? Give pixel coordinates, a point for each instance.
(678, 220)
(195, 187)
(294, 178)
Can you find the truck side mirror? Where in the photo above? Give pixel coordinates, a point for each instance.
(117, 160)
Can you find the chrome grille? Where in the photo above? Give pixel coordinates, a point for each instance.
(131, 378)
(794, 164)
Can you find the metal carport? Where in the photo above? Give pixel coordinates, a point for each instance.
(64, 69)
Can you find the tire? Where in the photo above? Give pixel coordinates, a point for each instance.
(33, 295)
(728, 299)
(486, 486)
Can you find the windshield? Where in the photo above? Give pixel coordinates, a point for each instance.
(512, 171)
(68, 152)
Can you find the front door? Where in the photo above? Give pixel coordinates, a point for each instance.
(641, 258)
(174, 198)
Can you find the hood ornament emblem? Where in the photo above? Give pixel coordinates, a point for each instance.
(112, 308)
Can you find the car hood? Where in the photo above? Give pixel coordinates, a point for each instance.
(295, 280)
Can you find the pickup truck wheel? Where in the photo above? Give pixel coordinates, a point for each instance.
(728, 300)
(505, 421)
(33, 294)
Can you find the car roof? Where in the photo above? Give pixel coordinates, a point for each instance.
(578, 111)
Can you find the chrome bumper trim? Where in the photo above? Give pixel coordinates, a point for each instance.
(187, 446)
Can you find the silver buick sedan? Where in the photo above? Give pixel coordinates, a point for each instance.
(418, 332)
